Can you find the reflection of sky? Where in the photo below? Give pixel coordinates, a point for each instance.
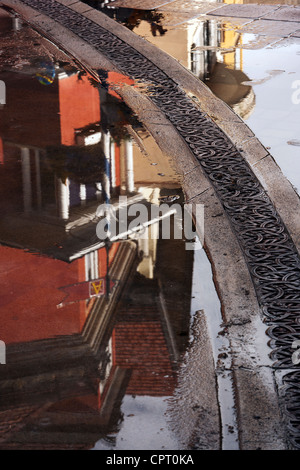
(276, 120)
(144, 426)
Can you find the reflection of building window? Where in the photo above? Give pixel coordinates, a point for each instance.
(91, 266)
(88, 138)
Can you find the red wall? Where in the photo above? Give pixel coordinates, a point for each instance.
(79, 105)
(1, 152)
(30, 294)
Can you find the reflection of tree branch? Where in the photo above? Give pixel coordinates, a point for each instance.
(115, 114)
(151, 17)
(132, 18)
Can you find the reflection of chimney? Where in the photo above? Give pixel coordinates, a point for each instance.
(26, 177)
(129, 166)
(63, 198)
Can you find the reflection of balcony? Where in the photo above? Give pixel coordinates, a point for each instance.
(49, 192)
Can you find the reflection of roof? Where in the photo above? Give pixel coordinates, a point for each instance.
(55, 238)
(227, 84)
(71, 239)
(141, 346)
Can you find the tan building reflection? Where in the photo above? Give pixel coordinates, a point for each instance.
(210, 48)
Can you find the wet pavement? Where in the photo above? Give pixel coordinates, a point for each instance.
(247, 54)
(104, 338)
(96, 333)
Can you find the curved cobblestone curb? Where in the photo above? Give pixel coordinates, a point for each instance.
(269, 251)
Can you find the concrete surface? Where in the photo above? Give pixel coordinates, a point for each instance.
(259, 414)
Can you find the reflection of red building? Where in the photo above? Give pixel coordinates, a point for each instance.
(36, 117)
(66, 392)
(67, 368)
(31, 292)
(79, 106)
(55, 153)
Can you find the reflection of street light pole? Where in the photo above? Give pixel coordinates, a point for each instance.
(106, 189)
(108, 245)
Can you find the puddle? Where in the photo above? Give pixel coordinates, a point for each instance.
(95, 329)
(111, 343)
(294, 142)
(238, 58)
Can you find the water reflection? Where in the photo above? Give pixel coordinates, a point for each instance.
(238, 60)
(88, 325)
(132, 18)
(210, 48)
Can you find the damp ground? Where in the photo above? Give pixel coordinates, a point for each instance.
(99, 332)
(251, 63)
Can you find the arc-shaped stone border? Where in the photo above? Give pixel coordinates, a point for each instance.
(231, 173)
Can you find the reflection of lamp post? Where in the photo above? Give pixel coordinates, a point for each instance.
(106, 189)
(108, 245)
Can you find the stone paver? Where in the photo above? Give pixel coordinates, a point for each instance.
(140, 4)
(285, 14)
(69, 2)
(191, 5)
(175, 19)
(230, 22)
(271, 21)
(81, 7)
(270, 28)
(245, 10)
(259, 42)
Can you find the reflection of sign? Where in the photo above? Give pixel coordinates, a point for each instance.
(85, 290)
(97, 288)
